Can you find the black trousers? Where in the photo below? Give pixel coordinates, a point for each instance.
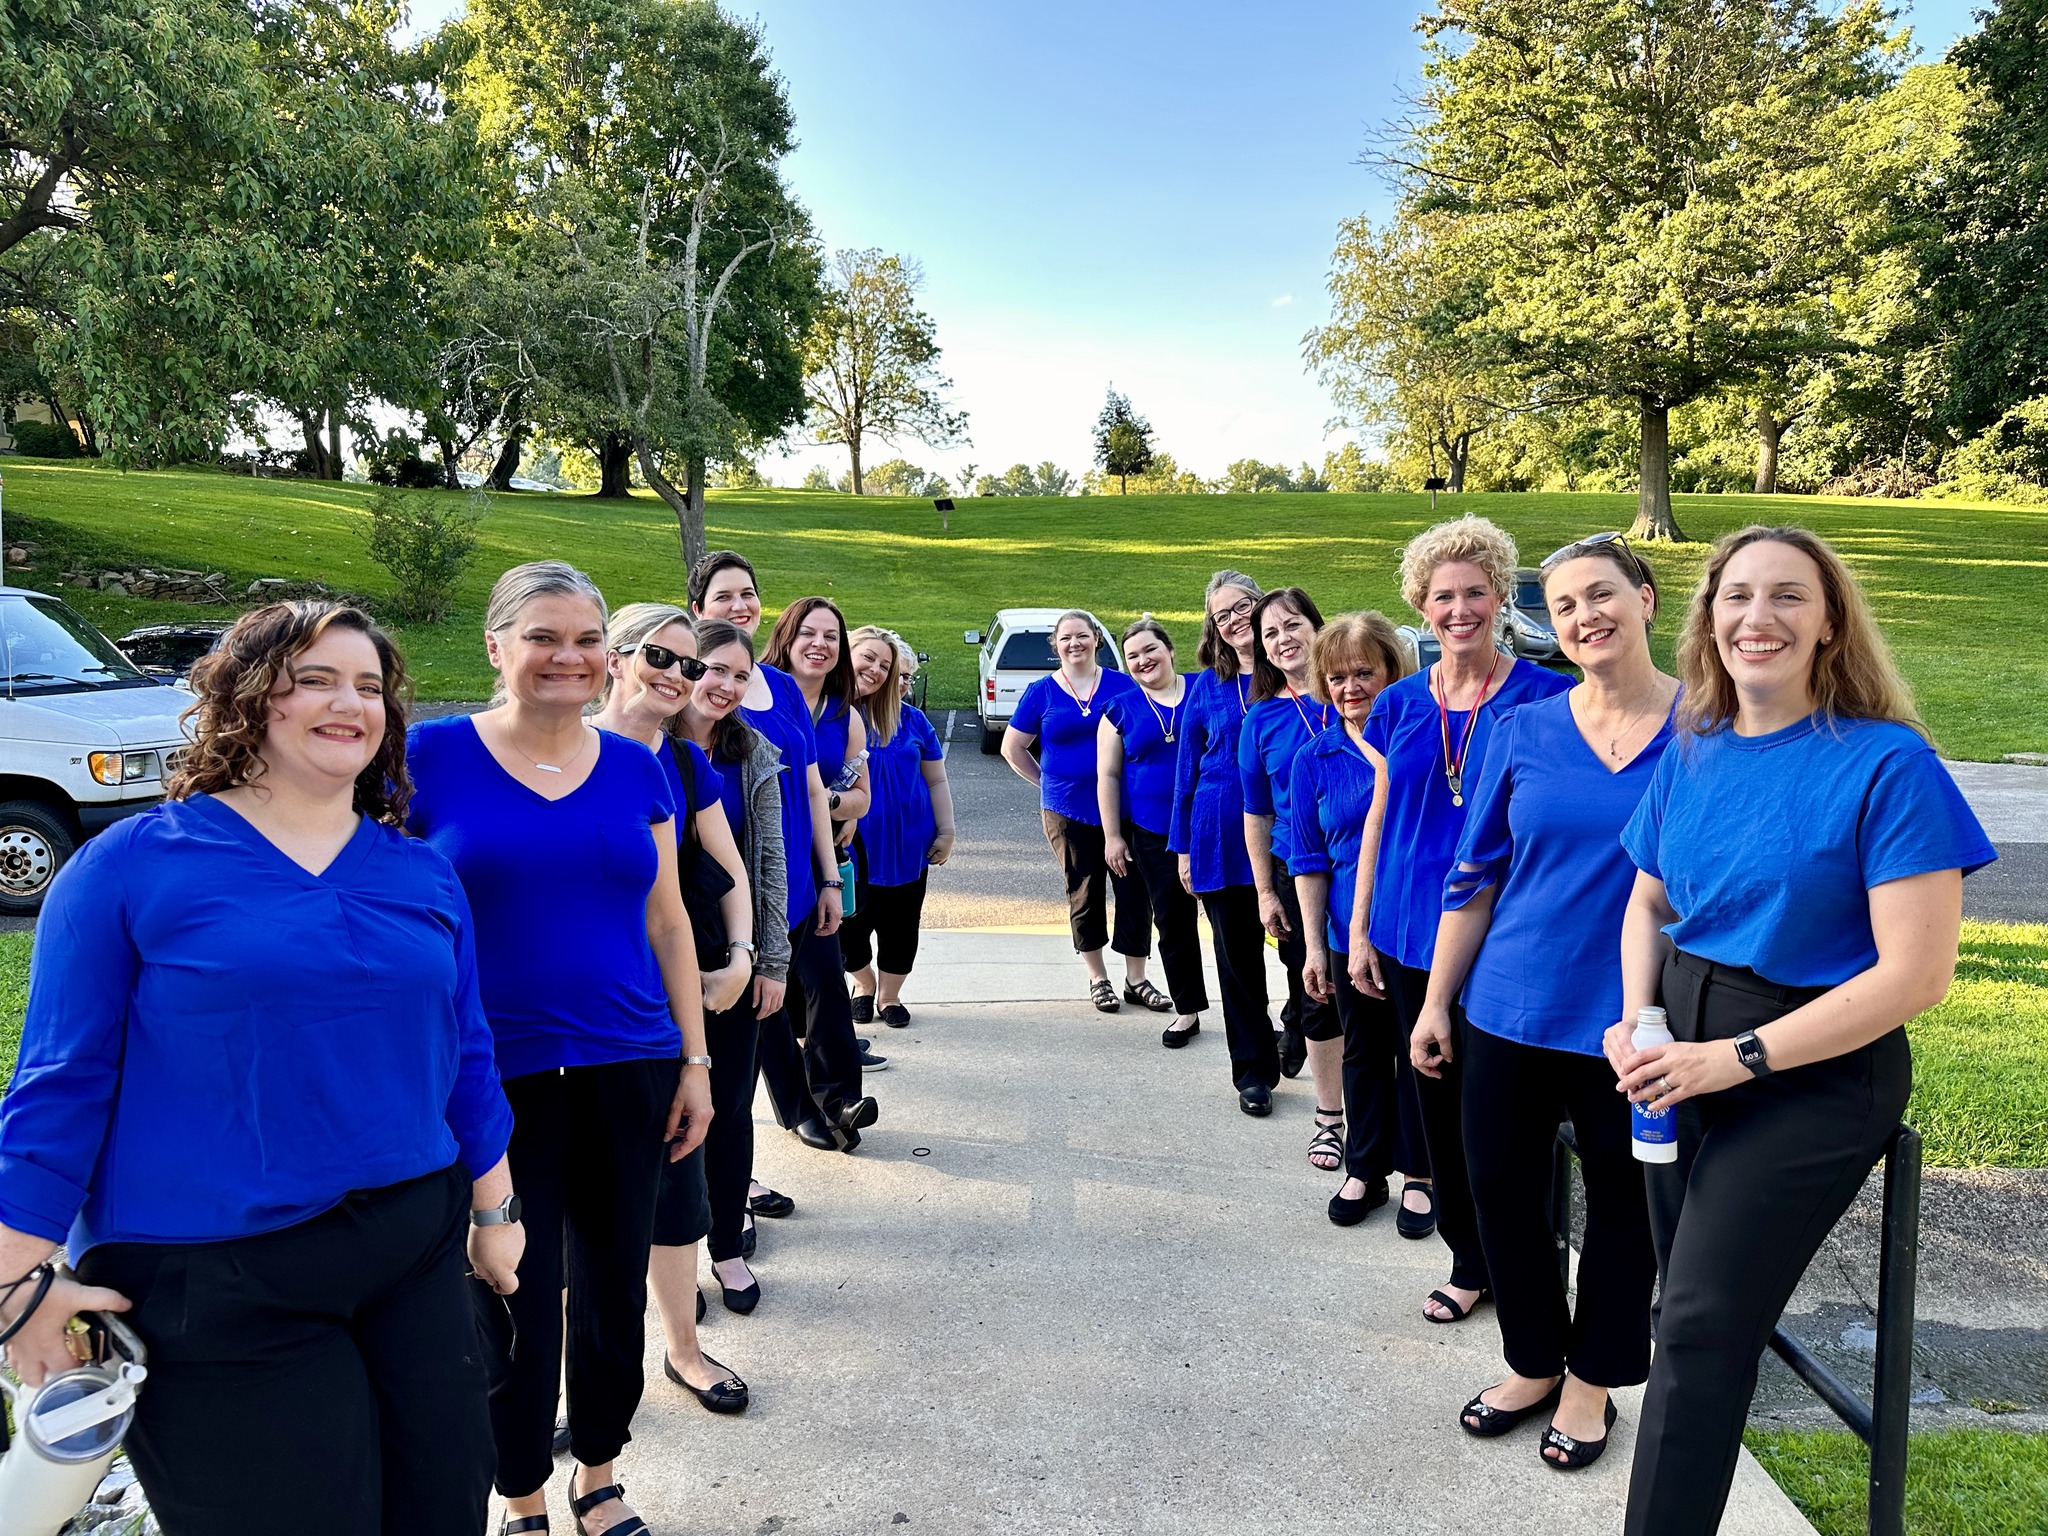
(1443, 1126)
(1311, 1018)
(1515, 1097)
(1078, 847)
(884, 931)
(587, 1159)
(1382, 1116)
(706, 1192)
(817, 1008)
(338, 1357)
(1765, 1169)
(1173, 913)
(1240, 941)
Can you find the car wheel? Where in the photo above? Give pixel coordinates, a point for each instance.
(991, 739)
(35, 842)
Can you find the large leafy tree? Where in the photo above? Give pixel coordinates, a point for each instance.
(1636, 180)
(872, 360)
(1123, 441)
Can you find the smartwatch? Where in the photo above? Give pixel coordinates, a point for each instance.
(497, 1215)
(832, 800)
(1750, 1052)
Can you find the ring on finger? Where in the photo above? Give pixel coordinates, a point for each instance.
(1664, 1083)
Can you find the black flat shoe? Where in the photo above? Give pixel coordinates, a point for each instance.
(564, 1426)
(1572, 1454)
(1293, 1053)
(773, 1204)
(1174, 1039)
(741, 1302)
(1416, 1223)
(1349, 1213)
(747, 1240)
(561, 1442)
(813, 1133)
(1494, 1421)
(1255, 1099)
(864, 1009)
(895, 1015)
(1144, 995)
(727, 1396)
(856, 1114)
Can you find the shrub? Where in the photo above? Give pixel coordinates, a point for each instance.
(396, 461)
(426, 543)
(42, 440)
(2007, 461)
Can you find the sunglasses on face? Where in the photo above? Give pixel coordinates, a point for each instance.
(661, 658)
(1241, 609)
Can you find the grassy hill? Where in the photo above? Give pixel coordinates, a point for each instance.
(1960, 588)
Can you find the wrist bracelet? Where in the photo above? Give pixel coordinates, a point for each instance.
(696, 1061)
(46, 1274)
(833, 885)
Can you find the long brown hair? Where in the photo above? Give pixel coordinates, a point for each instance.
(1854, 676)
(232, 688)
(782, 640)
(732, 739)
(1214, 651)
(1268, 681)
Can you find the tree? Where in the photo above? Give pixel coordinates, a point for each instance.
(1123, 441)
(1635, 185)
(871, 359)
(899, 477)
(1048, 479)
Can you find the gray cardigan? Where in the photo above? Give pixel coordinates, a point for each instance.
(760, 843)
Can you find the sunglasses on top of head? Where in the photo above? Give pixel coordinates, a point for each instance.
(1587, 545)
(661, 658)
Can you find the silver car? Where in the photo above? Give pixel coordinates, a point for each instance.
(1016, 651)
(1528, 619)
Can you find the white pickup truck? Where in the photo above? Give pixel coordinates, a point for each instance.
(86, 738)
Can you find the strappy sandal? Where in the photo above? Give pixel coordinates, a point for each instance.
(1498, 1421)
(522, 1526)
(1450, 1305)
(632, 1525)
(1573, 1454)
(1328, 1141)
(1103, 996)
(1145, 995)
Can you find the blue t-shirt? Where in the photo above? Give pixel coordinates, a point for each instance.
(1208, 797)
(1768, 845)
(1543, 827)
(832, 730)
(1151, 734)
(1332, 792)
(1066, 740)
(787, 725)
(691, 788)
(1274, 733)
(556, 997)
(1419, 839)
(898, 829)
(220, 1043)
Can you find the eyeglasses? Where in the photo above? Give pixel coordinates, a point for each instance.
(661, 658)
(1241, 609)
(1590, 543)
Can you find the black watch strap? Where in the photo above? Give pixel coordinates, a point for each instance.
(1750, 1052)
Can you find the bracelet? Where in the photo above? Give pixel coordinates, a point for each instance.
(46, 1276)
(742, 944)
(833, 885)
(696, 1061)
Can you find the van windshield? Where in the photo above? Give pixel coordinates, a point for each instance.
(46, 647)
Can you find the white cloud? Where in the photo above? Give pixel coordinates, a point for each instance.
(1283, 301)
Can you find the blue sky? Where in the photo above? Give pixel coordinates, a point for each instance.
(1126, 190)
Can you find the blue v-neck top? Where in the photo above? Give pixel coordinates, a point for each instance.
(1151, 737)
(1208, 794)
(220, 1043)
(1274, 733)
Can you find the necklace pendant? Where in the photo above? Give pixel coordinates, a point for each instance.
(547, 767)
(1457, 799)
(1084, 711)
(1169, 735)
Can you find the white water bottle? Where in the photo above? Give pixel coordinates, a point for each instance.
(66, 1433)
(1654, 1133)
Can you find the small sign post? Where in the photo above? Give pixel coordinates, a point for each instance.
(1432, 485)
(945, 506)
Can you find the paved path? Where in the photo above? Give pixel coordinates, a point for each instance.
(1105, 1301)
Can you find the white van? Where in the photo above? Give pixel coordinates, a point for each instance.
(1016, 650)
(86, 738)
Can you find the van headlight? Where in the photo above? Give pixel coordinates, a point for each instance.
(117, 768)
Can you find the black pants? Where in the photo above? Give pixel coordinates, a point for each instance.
(1233, 914)
(587, 1159)
(337, 1359)
(1173, 913)
(1765, 1169)
(1515, 1097)
(1442, 1126)
(706, 1192)
(1311, 1018)
(1382, 1116)
(1078, 847)
(884, 931)
(817, 1008)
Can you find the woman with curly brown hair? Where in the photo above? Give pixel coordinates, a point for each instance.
(256, 1101)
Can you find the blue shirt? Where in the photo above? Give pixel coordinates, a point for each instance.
(1543, 826)
(832, 730)
(1151, 735)
(559, 888)
(219, 1043)
(1208, 797)
(1274, 733)
(898, 829)
(1768, 845)
(691, 788)
(1420, 837)
(1332, 791)
(787, 725)
(1066, 740)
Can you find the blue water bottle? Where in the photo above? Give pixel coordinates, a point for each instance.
(1654, 1132)
(846, 883)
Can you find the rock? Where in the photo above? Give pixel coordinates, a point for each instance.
(2031, 759)
(113, 587)
(16, 555)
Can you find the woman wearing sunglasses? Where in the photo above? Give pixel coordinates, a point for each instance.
(1542, 839)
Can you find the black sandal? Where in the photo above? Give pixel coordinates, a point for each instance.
(1416, 1223)
(1498, 1421)
(1573, 1454)
(1328, 1141)
(1145, 995)
(524, 1524)
(632, 1525)
(1458, 1313)
(1103, 996)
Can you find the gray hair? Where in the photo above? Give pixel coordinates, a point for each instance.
(522, 584)
(630, 626)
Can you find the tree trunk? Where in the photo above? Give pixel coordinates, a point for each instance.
(687, 502)
(333, 444)
(1653, 488)
(508, 460)
(615, 466)
(1770, 431)
(853, 449)
(1458, 451)
(1123, 484)
(316, 450)
(450, 481)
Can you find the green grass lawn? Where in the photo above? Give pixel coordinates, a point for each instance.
(1969, 1482)
(14, 953)
(1959, 588)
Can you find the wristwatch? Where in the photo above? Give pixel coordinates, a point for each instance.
(696, 1061)
(733, 944)
(832, 800)
(1750, 1052)
(833, 885)
(497, 1215)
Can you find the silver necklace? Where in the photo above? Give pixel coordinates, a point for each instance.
(549, 767)
(1166, 721)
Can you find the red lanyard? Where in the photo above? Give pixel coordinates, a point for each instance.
(1092, 691)
(1454, 767)
(1302, 710)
